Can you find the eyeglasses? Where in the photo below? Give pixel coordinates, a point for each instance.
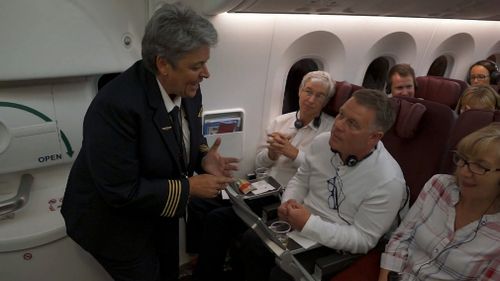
(479, 77)
(317, 96)
(334, 184)
(475, 168)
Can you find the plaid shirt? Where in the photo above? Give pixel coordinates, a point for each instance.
(426, 247)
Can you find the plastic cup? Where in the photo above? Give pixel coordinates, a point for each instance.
(280, 229)
(261, 173)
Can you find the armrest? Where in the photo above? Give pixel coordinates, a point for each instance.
(316, 264)
(332, 264)
(270, 211)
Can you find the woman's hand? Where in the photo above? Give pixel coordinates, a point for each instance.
(213, 163)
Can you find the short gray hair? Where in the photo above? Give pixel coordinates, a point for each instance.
(323, 77)
(380, 103)
(173, 31)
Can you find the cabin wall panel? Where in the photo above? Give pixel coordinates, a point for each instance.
(250, 64)
(238, 68)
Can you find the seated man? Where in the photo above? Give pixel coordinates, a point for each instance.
(452, 231)
(401, 81)
(348, 191)
(212, 224)
(290, 134)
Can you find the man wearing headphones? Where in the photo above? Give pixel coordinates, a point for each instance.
(483, 72)
(290, 134)
(347, 193)
(401, 81)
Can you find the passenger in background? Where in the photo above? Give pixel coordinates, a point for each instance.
(452, 231)
(478, 97)
(142, 142)
(288, 135)
(483, 72)
(401, 81)
(347, 193)
(212, 224)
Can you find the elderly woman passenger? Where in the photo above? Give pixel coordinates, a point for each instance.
(288, 135)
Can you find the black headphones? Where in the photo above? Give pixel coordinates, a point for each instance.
(352, 160)
(299, 124)
(492, 68)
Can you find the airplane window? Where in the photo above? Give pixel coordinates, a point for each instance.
(438, 67)
(105, 78)
(376, 74)
(295, 75)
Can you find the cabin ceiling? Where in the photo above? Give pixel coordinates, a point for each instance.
(447, 9)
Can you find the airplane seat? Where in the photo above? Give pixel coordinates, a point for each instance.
(440, 90)
(418, 141)
(462, 83)
(419, 136)
(343, 91)
(467, 122)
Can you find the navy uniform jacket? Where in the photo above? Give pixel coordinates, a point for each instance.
(127, 179)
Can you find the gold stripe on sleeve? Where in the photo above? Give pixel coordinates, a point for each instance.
(203, 148)
(175, 199)
(169, 199)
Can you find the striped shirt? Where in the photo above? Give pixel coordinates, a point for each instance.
(426, 247)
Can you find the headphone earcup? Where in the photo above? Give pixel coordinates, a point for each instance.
(351, 161)
(317, 121)
(298, 124)
(494, 77)
(388, 87)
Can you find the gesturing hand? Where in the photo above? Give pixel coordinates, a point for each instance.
(213, 163)
(207, 186)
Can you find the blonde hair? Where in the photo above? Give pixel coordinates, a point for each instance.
(486, 139)
(479, 97)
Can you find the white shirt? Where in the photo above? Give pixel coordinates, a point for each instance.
(284, 168)
(372, 193)
(169, 105)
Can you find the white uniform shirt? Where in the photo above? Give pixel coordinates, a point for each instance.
(169, 105)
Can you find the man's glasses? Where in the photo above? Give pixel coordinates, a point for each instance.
(334, 184)
(479, 77)
(475, 168)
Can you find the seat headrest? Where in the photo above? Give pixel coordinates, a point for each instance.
(408, 117)
(343, 91)
(443, 91)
